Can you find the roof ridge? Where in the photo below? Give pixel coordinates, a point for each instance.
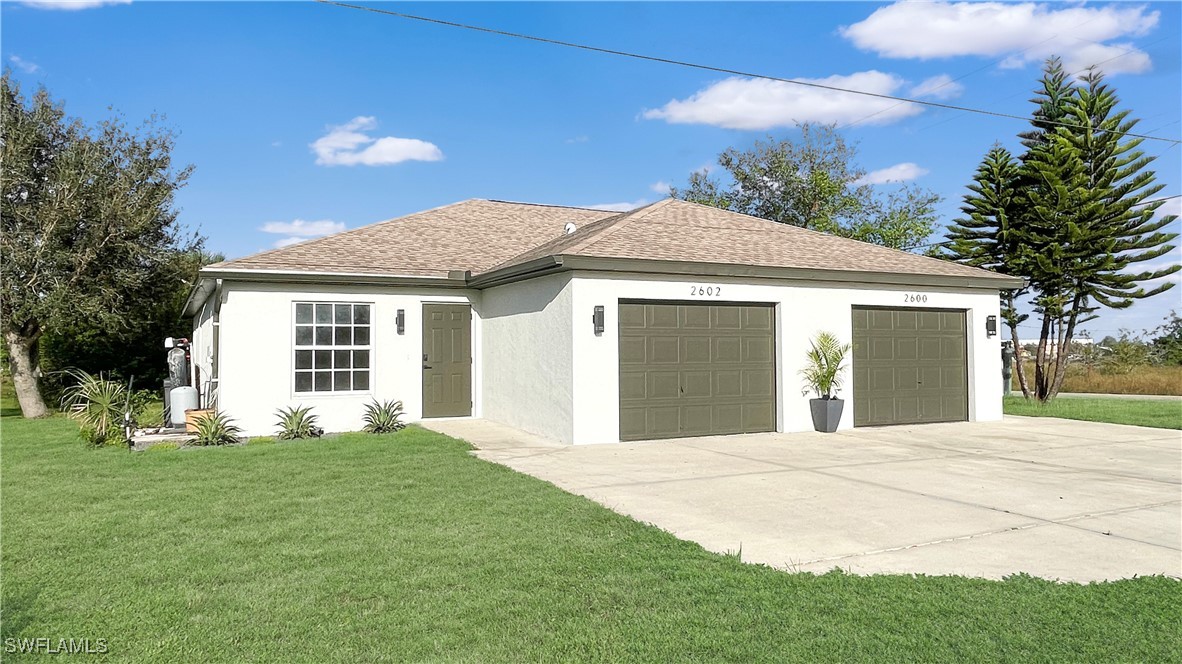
(310, 241)
(634, 215)
(566, 207)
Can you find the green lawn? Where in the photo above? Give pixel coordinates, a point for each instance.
(1142, 412)
(405, 547)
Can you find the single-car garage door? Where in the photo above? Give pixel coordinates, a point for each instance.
(909, 366)
(696, 369)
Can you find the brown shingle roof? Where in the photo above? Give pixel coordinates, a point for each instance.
(677, 230)
(471, 235)
(481, 236)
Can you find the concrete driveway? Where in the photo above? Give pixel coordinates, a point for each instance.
(1055, 498)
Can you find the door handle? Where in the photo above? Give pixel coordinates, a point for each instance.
(425, 365)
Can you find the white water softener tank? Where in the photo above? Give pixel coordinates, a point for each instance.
(181, 399)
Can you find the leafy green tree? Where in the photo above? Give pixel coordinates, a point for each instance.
(812, 183)
(1084, 219)
(89, 226)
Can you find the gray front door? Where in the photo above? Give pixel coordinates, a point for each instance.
(909, 366)
(691, 369)
(447, 360)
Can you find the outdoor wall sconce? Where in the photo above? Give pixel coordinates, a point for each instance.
(597, 319)
(400, 321)
(991, 326)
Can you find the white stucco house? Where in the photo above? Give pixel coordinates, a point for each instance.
(586, 326)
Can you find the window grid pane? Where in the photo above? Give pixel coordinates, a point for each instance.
(333, 347)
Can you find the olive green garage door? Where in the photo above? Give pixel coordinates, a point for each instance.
(689, 369)
(909, 366)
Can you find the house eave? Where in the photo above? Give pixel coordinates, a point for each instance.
(699, 269)
(454, 278)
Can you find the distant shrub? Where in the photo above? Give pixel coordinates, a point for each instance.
(383, 417)
(214, 429)
(297, 422)
(147, 408)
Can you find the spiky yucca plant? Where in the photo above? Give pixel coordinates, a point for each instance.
(825, 359)
(214, 429)
(383, 417)
(297, 422)
(97, 405)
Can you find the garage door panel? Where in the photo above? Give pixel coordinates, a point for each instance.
(663, 385)
(728, 383)
(696, 350)
(909, 365)
(632, 316)
(696, 369)
(727, 318)
(664, 350)
(696, 384)
(728, 349)
(757, 318)
(664, 420)
(759, 383)
(632, 387)
(757, 350)
(632, 350)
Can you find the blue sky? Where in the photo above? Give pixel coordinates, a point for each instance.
(302, 118)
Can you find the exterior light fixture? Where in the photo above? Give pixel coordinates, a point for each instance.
(400, 321)
(597, 319)
(991, 326)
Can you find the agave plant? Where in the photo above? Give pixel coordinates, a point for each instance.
(297, 422)
(825, 358)
(97, 404)
(214, 429)
(383, 417)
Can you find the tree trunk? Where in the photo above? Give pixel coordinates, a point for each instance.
(1040, 361)
(1061, 368)
(22, 357)
(1019, 365)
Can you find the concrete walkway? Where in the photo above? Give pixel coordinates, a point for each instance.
(1059, 499)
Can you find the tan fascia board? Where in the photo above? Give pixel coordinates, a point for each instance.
(628, 265)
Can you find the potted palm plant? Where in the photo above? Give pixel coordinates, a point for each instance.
(823, 374)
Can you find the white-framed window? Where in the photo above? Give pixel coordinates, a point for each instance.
(332, 347)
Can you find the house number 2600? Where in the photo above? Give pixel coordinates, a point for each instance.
(705, 291)
(914, 297)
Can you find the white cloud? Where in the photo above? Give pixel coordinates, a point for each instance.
(757, 104)
(72, 5)
(347, 145)
(938, 87)
(299, 230)
(1025, 32)
(618, 207)
(661, 187)
(24, 65)
(288, 241)
(898, 173)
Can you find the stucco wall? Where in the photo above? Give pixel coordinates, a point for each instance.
(256, 343)
(201, 352)
(802, 310)
(527, 356)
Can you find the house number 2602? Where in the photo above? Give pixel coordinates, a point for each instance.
(914, 297)
(706, 291)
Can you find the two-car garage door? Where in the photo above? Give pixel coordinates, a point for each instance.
(689, 369)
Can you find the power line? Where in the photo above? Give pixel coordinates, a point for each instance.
(720, 70)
